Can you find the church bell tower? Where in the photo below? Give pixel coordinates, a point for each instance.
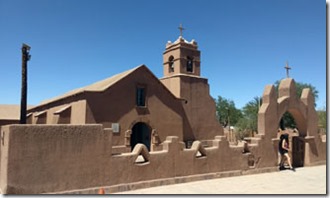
(181, 57)
(182, 76)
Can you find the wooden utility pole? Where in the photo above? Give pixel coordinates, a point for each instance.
(25, 58)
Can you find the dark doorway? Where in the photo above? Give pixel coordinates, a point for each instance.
(140, 134)
(298, 151)
(289, 124)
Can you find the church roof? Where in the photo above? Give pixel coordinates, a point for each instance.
(10, 112)
(95, 87)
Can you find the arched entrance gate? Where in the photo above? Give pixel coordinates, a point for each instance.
(302, 109)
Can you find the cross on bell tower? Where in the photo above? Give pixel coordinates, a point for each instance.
(287, 67)
(181, 29)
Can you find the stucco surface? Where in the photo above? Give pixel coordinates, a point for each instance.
(41, 159)
(55, 158)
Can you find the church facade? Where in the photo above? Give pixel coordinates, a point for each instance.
(139, 107)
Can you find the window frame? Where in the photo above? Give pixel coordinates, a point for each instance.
(138, 102)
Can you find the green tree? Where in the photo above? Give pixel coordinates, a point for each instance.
(287, 119)
(322, 118)
(249, 120)
(226, 110)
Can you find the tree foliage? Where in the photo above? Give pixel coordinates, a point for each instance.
(249, 120)
(287, 121)
(226, 110)
(322, 118)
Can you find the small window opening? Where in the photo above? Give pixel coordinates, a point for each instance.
(140, 97)
(189, 64)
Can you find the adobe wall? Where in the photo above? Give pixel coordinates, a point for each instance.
(199, 106)
(7, 122)
(49, 158)
(65, 158)
(175, 161)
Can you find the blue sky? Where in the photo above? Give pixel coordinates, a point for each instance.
(244, 44)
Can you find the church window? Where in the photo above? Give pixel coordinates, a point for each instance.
(171, 64)
(189, 64)
(41, 117)
(140, 96)
(63, 115)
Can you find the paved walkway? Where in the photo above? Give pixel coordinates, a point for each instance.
(306, 180)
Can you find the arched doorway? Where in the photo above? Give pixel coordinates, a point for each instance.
(293, 123)
(141, 133)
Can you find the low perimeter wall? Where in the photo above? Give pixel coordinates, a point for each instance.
(39, 159)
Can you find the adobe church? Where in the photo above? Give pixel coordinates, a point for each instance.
(140, 107)
(133, 130)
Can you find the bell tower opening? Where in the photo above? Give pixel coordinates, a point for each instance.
(171, 64)
(190, 67)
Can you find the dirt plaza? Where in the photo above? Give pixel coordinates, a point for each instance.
(306, 180)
